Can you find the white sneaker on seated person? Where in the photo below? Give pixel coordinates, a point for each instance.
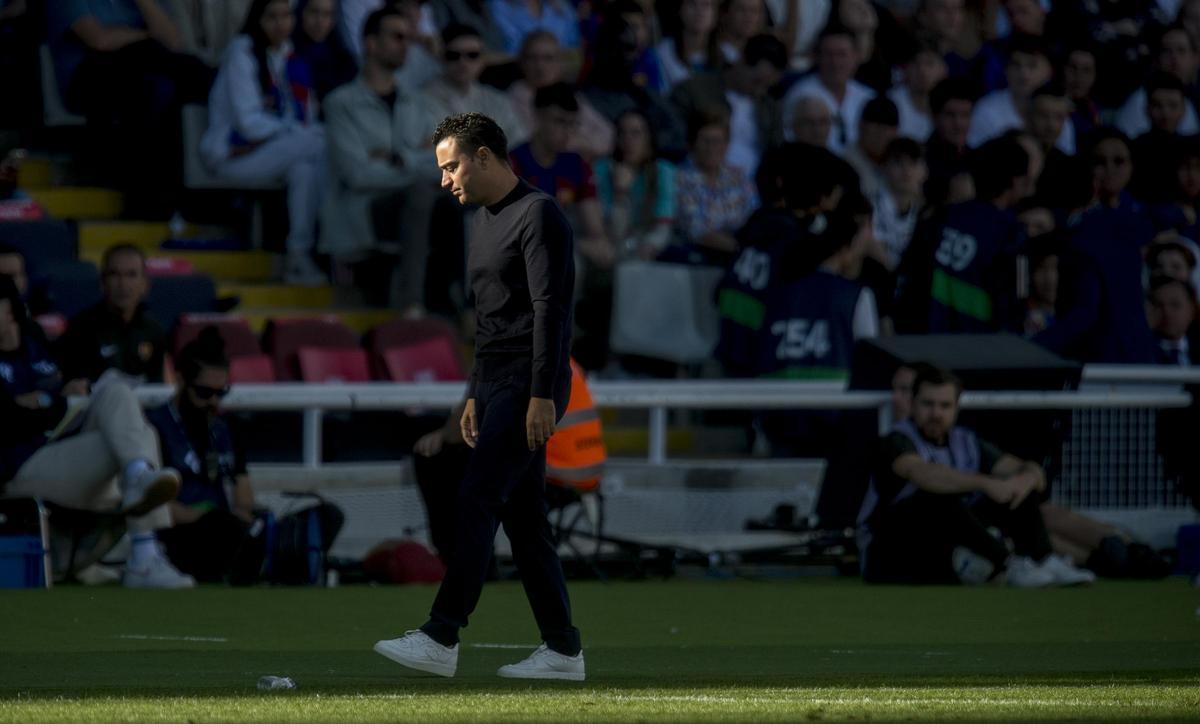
(148, 566)
(546, 663)
(1065, 572)
(1022, 572)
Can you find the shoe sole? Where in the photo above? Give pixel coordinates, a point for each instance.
(426, 666)
(546, 675)
(160, 492)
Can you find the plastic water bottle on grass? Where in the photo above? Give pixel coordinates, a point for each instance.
(275, 683)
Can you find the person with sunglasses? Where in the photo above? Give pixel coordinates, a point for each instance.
(214, 513)
(458, 90)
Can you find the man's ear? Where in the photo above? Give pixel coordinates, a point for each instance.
(484, 154)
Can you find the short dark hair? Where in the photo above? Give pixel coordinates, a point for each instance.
(116, 250)
(996, 165)
(881, 110)
(454, 31)
(206, 350)
(765, 47)
(928, 374)
(7, 249)
(951, 89)
(1026, 45)
(473, 131)
(708, 116)
(833, 30)
(374, 22)
(557, 95)
(797, 174)
(903, 147)
(1161, 80)
(1160, 282)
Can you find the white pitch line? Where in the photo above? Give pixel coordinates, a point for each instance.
(146, 637)
(502, 646)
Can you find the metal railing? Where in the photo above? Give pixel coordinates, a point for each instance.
(658, 397)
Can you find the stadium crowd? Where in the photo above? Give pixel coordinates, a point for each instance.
(853, 168)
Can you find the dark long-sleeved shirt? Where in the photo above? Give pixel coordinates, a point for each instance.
(98, 339)
(522, 271)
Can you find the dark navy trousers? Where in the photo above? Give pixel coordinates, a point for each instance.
(505, 484)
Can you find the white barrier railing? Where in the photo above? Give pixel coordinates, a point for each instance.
(658, 397)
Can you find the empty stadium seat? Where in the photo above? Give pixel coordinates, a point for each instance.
(434, 338)
(173, 296)
(431, 360)
(69, 287)
(325, 364)
(283, 338)
(42, 243)
(240, 340)
(250, 369)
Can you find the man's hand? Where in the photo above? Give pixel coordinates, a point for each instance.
(430, 444)
(1012, 491)
(77, 388)
(30, 400)
(183, 514)
(469, 424)
(539, 421)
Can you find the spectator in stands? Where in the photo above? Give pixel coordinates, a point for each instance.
(12, 265)
(320, 45)
(1101, 303)
(1156, 152)
(691, 47)
(1172, 316)
(834, 84)
(208, 27)
(715, 198)
(812, 122)
(952, 102)
(741, 91)
(1079, 79)
(518, 18)
(104, 459)
(458, 89)
(376, 220)
(898, 200)
(626, 25)
(1176, 55)
(116, 333)
(1172, 259)
(541, 64)
(936, 491)
(798, 25)
(902, 391)
(922, 72)
(1027, 69)
(421, 62)
(636, 191)
(1049, 113)
(739, 21)
(616, 81)
(264, 127)
(876, 129)
(15, 204)
(545, 162)
(477, 14)
(217, 535)
(1042, 252)
(971, 250)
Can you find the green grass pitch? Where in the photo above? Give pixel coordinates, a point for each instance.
(680, 650)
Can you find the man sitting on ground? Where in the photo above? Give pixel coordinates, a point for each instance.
(116, 333)
(110, 464)
(936, 492)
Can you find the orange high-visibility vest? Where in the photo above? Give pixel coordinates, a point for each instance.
(575, 454)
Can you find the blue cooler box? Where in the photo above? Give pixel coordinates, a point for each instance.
(24, 549)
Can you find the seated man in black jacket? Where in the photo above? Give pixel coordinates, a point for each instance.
(116, 333)
(108, 462)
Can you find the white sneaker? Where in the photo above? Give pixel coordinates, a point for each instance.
(1065, 572)
(417, 651)
(156, 572)
(546, 663)
(1024, 573)
(97, 574)
(152, 488)
(971, 568)
(301, 270)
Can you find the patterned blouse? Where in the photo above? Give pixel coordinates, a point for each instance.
(721, 206)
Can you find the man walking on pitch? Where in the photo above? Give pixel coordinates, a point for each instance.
(522, 273)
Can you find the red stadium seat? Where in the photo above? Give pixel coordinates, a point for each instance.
(250, 369)
(431, 360)
(240, 340)
(324, 364)
(432, 339)
(284, 338)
